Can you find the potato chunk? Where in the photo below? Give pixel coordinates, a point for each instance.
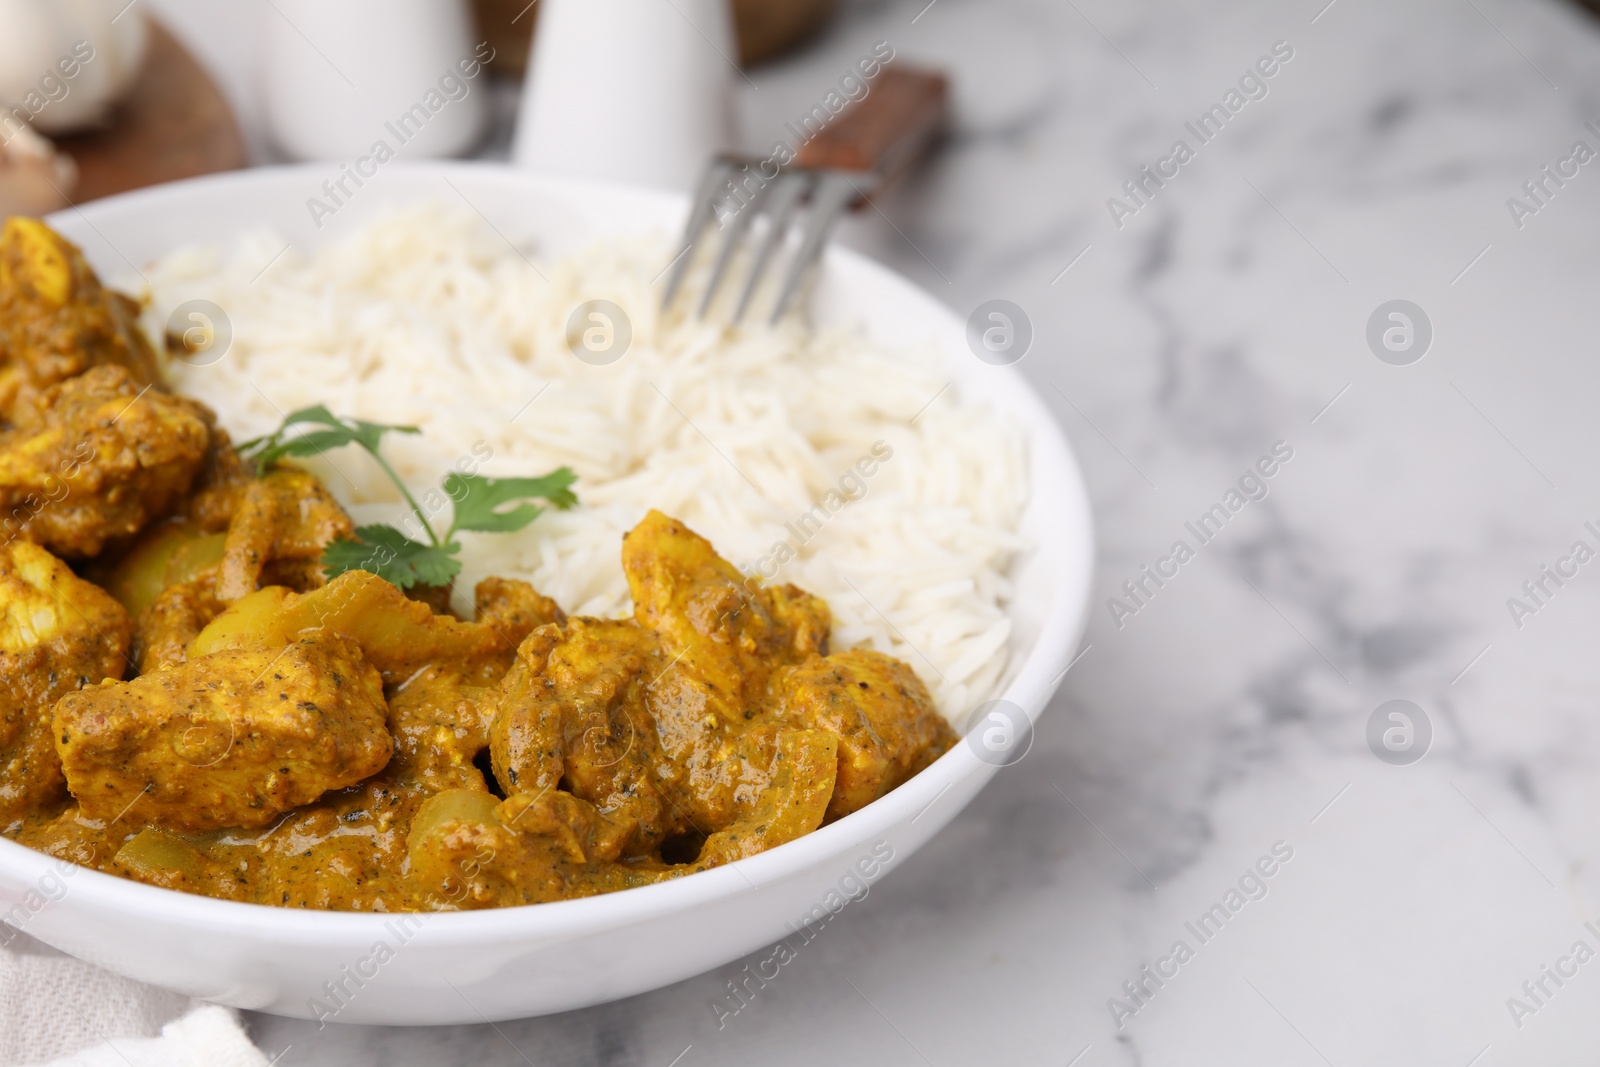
(57, 634)
(397, 635)
(227, 740)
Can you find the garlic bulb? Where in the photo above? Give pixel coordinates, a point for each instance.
(64, 63)
(35, 179)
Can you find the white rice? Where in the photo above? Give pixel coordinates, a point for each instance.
(428, 318)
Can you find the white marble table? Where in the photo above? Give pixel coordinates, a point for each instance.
(1227, 717)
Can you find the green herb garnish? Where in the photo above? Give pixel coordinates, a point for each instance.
(489, 505)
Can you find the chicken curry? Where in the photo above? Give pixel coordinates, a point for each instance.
(190, 697)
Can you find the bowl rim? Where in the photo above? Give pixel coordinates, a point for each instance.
(1031, 686)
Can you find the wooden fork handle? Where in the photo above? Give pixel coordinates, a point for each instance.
(886, 131)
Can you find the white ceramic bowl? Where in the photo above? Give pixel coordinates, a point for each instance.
(515, 962)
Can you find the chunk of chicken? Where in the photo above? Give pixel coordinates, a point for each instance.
(514, 607)
(468, 850)
(722, 637)
(58, 634)
(781, 799)
(164, 630)
(666, 722)
(883, 716)
(98, 459)
(347, 849)
(573, 717)
(726, 632)
(56, 319)
(440, 725)
(228, 740)
(282, 524)
(573, 710)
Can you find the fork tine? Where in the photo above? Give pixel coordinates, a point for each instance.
(834, 191)
(792, 187)
(700, 213)
(730, 243)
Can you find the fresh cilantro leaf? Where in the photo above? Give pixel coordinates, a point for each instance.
(480, 501)
(334, 432)
(492, 505)
(392, 556)
(314, 413)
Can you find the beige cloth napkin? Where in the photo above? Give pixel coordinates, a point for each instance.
(56, 1011)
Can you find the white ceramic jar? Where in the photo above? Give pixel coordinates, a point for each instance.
(343, 75)
(634, 91)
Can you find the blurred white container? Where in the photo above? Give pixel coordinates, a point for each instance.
(64, 63)
(342, 75)
(636, 91)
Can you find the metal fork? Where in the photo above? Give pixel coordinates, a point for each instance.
(853, 157)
